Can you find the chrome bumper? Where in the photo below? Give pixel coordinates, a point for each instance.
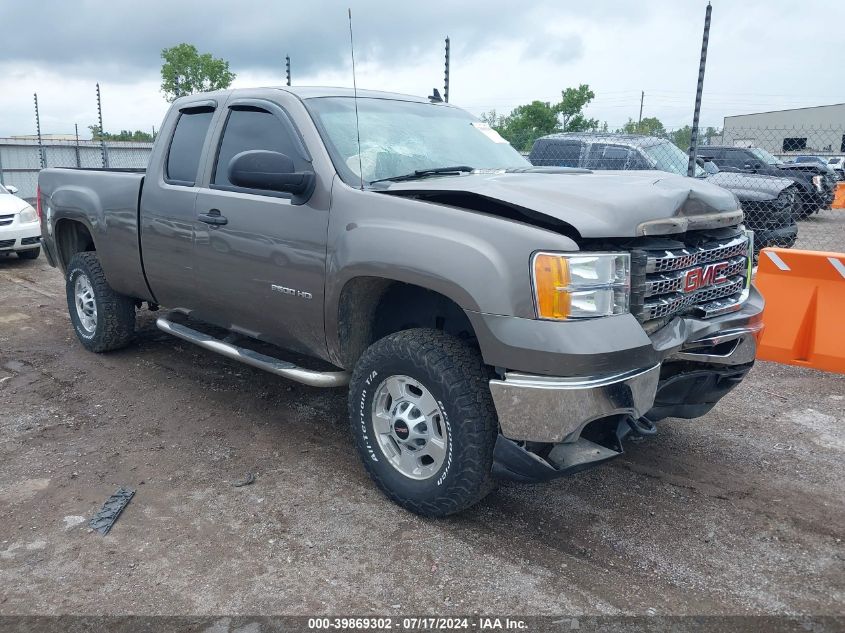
(729, 347)
(554, 409)
(548, 409)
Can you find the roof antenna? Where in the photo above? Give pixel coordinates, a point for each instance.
(355, 98)
(435, 96)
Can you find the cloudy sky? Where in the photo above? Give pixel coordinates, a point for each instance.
(764, 54)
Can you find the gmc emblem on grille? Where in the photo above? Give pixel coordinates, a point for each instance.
(704, 276)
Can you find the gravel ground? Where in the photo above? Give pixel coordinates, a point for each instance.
(740, 512)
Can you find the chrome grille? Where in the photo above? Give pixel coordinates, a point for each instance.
(663, 283)
(688, 257)
(668, 290)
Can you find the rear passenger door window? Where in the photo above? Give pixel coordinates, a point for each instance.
(736, 158)
(251, 128)
(603, 156)
(183, 156)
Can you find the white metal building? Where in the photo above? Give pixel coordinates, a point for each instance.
(818, 130)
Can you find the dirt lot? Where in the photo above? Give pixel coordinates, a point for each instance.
(740, 512)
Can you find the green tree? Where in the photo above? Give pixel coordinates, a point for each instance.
(123, 135)
(526, 123)
(571, 109)
(650, 126)
(186, 71)
(682, 137)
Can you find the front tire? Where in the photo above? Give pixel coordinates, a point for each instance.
(424, 422)
(102, 319)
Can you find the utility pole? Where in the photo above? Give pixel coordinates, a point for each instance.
(103, 151)
(640, 120)
(76, 147)
(38, 131)
(287, 68)
(446, 74)
(693, 147)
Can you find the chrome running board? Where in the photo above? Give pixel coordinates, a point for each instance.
(254, 359)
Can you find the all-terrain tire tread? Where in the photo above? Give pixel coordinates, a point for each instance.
(115, 312)
(466, 381)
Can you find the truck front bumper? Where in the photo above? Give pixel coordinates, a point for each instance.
(693, 364)
(549, 409)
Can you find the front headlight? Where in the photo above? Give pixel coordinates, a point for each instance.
(818, 181)
(581, 285)
(28, 215)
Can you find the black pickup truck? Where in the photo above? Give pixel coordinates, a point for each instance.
(817, 186)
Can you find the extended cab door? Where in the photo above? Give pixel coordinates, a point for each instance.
(260, 258)
(167, 205)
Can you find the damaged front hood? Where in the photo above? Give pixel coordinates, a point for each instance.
(595, 204)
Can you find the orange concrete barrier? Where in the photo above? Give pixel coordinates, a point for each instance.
(839, 199)
(805, 308)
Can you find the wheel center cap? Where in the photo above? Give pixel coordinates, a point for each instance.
(401, 429)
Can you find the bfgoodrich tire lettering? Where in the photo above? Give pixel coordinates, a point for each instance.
(109, 318)
(454, 374)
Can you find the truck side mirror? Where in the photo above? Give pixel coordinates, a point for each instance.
(710, 167)
(270, 171)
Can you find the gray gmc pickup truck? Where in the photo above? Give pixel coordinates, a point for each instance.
(491, 319)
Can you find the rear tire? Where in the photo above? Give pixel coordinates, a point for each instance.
(102, 319)
(31, 253)
(430, 449)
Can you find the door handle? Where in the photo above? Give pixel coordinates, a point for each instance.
(213, 218)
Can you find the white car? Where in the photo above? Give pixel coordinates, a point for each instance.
(20, 230)
(838, 165)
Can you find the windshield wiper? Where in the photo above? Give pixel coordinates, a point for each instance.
(422, 173)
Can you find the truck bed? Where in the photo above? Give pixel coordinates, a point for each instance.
(105, 201)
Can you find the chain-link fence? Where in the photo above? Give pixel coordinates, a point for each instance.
(22, 158)
(785, 178)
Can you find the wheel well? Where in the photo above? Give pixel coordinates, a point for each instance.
(371, 308)
(72, 237)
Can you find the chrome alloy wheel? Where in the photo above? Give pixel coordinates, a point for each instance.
(86, 307)
(410, 427)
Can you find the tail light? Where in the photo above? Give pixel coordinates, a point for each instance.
(38, 201)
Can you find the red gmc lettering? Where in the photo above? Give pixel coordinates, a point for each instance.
(700, 277)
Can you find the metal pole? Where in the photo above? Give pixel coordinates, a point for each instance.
(38, 130)
(640, 120)
(287, 68)
(76, 148)
(446, 74)
(103, 151)
(693, 147)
